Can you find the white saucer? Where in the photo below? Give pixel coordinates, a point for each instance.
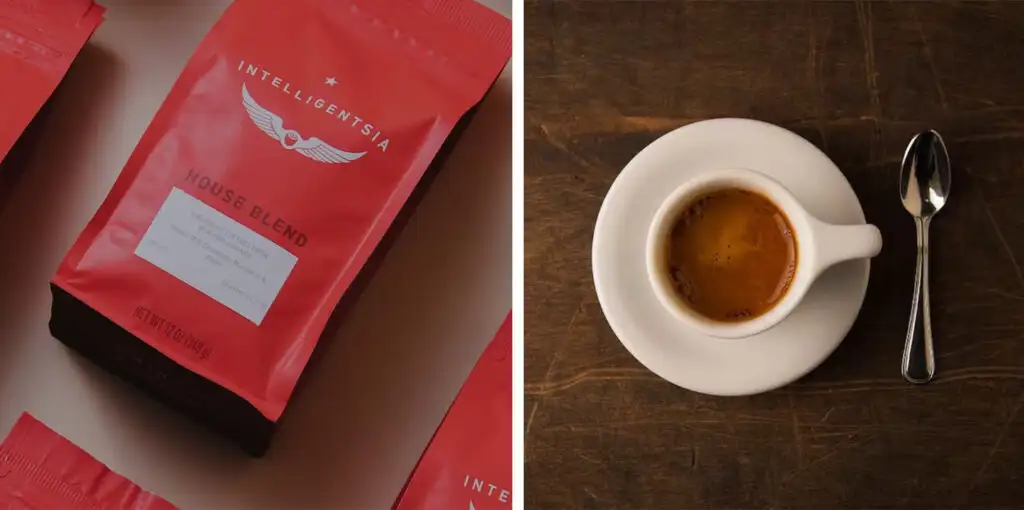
(658, 339)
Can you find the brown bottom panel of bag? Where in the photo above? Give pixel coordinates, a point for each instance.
(119, 352)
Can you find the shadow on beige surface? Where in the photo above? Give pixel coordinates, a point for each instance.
(47, 193)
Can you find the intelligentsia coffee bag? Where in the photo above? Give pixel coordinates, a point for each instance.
(282, 154)
(40, 469)
(38, 42)
(468, 463)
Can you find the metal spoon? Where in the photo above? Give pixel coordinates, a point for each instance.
(924, 186)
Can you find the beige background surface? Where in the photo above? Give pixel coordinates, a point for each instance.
(355, 431)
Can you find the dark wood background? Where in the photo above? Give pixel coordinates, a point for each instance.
(605, 78)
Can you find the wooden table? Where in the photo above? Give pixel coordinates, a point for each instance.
(857, 79)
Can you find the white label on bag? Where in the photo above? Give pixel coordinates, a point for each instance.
(216, 255)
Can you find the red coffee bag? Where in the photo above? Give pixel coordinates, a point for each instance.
(40, 469)
(282, 154)
(38, 41)
(468, 463)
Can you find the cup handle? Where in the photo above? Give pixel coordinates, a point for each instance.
(839, 243)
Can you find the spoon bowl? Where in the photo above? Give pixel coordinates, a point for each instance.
(925, 176)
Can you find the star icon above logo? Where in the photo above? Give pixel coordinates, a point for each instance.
(331, 81)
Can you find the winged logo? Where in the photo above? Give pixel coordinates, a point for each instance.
(313, 147)
(471, 506)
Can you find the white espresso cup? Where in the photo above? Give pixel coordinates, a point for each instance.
(819, 246)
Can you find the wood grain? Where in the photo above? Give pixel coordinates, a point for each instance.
(857, 79)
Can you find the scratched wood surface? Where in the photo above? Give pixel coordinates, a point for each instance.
(857, 79)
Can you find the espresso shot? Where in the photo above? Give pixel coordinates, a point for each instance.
(731, 255)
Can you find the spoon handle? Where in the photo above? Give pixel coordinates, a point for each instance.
(918, 353)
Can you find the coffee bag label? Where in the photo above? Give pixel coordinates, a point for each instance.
(283, 153)
(216, 255)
